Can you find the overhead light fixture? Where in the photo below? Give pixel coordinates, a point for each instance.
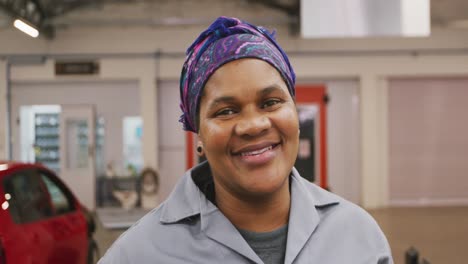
(31, 31)
(364, 18)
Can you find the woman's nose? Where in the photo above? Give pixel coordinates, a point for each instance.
(252, 124)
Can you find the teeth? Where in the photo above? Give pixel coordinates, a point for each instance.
(256, 152)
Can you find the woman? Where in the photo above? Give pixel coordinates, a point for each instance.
(247, 203)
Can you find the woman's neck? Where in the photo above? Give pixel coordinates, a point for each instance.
(260, 213)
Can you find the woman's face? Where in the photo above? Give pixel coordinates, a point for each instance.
(249, 128)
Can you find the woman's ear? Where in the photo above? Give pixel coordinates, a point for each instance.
(200, 150)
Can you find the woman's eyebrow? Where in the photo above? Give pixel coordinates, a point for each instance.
(221, 100)
(270, 89)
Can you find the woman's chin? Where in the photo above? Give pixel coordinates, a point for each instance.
(265, 186)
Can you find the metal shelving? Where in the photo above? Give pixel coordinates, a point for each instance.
(46, 140)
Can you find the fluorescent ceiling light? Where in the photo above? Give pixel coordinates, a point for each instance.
(364, 18)
(416, 17)
(26, 28)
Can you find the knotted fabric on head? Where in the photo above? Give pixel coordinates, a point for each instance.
(227, 39)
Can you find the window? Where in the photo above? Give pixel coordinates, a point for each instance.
(61, 201)
(29, 199)
(132, 149)
(13, 202)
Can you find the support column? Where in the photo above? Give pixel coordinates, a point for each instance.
(3, 110)
(148, 93)
(143, 70)
(374, 140)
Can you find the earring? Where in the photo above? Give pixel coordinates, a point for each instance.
(199, 149)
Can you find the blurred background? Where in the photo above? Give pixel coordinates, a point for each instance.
(92, 93)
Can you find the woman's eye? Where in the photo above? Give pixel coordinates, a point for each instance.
(225, 112)
(270, 103)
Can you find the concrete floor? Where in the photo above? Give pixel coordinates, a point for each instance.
(440, 234)
(105, 237)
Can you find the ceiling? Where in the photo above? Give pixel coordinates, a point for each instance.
(48, 14)
(44, 14)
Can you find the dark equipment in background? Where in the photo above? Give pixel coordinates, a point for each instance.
(412, 257)
(305, 164)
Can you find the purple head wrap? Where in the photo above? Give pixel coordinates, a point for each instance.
(227, 39)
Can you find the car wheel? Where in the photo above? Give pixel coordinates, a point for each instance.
(93, 252)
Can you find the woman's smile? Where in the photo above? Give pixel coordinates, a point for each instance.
(257, 154)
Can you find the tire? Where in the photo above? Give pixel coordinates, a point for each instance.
(93, 251)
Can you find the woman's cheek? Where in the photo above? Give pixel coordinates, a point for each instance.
(216, 132)
(288, 116)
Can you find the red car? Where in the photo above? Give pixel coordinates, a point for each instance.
(41, 221)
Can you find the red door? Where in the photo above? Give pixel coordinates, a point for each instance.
(312, 156)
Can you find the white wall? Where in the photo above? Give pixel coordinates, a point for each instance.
(371, 69)
(172, 163)
(344, 142)
(428, 141)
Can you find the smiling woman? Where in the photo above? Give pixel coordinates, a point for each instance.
(249, 131)
(247, 203)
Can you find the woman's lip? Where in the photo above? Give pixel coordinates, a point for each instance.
(255, 147)
(260, 159)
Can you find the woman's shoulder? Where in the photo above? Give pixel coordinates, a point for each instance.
(345, 225)
(338, 212)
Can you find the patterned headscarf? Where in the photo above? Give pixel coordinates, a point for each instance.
(227, 39)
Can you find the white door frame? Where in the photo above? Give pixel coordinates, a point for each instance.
(80, 178)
